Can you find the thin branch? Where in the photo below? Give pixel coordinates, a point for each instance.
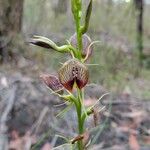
(3, 119)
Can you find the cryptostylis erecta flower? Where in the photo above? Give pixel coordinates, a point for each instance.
(86, 43)
(73, 72)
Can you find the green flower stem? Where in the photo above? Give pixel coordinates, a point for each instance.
(73, 50)
(77, 12)
(80, 121)
(80, 100)
(78, 106)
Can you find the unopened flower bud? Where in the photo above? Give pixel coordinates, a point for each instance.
(53, 83)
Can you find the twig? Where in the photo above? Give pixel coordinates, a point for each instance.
(61, 130)
(37, 124)
(3, 119)
(54, 140)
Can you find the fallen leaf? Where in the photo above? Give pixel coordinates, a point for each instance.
(133, 143)
(46, 146)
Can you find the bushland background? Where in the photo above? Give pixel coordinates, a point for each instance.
(28, 109)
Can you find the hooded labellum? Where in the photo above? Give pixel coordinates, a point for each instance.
(53, 83)
(87, 48)
(73, 72)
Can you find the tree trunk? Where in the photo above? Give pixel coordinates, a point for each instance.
(139, 5)
(10, 25)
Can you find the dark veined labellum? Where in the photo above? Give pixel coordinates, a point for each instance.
(53, 83)
(73, 72)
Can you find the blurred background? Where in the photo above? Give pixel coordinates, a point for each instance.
(121, 66)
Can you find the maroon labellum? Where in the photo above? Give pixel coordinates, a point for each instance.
(53, 83)
(73, 72)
